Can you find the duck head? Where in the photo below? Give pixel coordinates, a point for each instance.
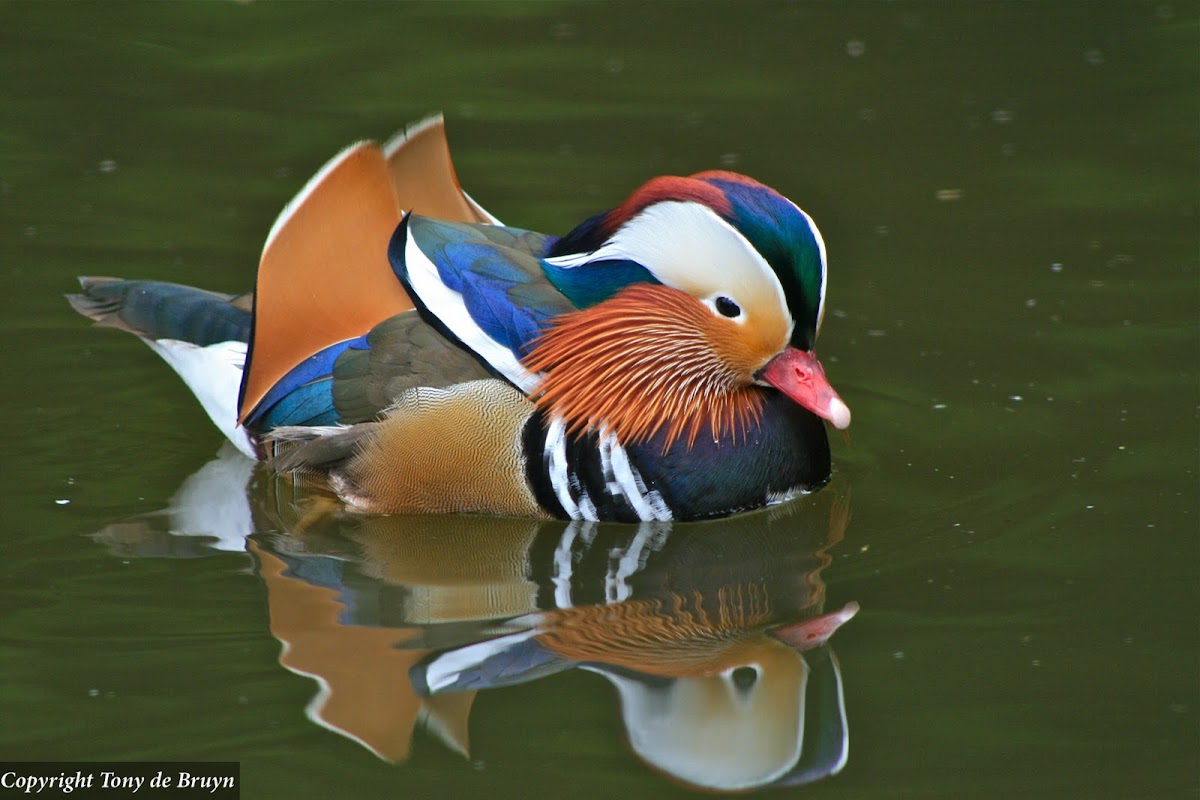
(694, 295)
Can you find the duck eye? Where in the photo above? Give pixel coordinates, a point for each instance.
(727, 308)
(744, 678)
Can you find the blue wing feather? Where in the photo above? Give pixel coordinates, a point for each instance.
(304, 396)
(498, 272)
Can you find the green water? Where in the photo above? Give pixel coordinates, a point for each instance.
(1009, 197)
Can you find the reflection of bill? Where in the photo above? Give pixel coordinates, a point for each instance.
(713, 634)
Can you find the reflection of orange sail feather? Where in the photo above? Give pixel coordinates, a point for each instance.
(362, 696)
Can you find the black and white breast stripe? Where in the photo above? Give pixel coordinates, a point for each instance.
(589, 477)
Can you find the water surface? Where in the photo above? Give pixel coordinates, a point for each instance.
(1009, 197)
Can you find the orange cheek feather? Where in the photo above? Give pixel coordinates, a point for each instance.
(649, 358)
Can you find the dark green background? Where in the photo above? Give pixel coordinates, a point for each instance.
(1009, 197)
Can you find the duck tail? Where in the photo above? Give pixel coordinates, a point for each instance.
(202, 335)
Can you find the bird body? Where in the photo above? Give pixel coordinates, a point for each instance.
(409, 353)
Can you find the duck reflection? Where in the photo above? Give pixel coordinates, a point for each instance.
(714, 635)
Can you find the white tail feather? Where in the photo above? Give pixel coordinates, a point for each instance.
(214, 374)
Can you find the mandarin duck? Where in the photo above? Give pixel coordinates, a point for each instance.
(405, 351)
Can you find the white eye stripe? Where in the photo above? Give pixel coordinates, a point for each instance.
(688, 246)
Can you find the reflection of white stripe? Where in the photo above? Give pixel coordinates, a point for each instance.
(563, 567)
(448, 306)
(649, 537)
(564, 559)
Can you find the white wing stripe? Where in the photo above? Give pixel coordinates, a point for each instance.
(449, 307)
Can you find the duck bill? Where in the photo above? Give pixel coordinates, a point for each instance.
(815, 631)
(802, 378)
